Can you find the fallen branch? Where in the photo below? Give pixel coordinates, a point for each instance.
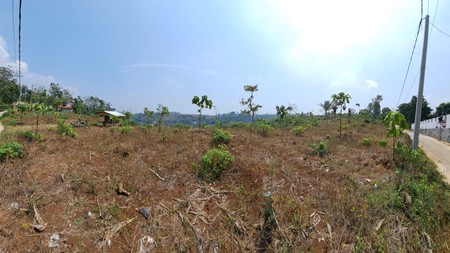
(198, 239)
(238, 228)
(41, 224)
(201, 216)
(113, 230)
(157, 175)
(121, 190)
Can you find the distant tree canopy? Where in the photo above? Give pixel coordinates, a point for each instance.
(443, 108)
(9, 88)
(374, 108)
(409, 110)
(55, 95)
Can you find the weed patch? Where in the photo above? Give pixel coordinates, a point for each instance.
(11, 150)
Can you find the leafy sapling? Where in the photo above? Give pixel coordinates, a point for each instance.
(202, 103)
(252, 107)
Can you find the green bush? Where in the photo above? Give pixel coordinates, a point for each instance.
(125, 129)
(30, 136)
(263, 129)
(11, 150)
(214, 162)
(383, 143)
(181, 126)
(319, 149)
(298, 131)
(65, 129)
(366, 141)
(220, 138)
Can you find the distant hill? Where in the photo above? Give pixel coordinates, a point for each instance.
(192, 119)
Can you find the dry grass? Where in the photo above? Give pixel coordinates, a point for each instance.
(320, 203)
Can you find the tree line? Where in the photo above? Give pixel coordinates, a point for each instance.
(53, 96)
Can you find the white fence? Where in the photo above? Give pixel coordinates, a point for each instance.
(438, 122)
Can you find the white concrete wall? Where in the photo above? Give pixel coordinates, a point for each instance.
(433, 123)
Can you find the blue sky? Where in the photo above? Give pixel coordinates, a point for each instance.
(137, 53)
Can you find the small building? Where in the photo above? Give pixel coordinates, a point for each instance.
(109, 116)
(67, 107)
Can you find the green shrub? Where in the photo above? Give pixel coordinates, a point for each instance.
(11, 150)
(181, 126)
(263, 129)
(30, 136)
(366, 141)
(319, 149)
(65, 129)
(125, 129)
(383, 143)
(220, 138)
(298, 131)
(214, 162)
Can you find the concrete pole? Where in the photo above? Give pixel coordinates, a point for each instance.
(421, 82)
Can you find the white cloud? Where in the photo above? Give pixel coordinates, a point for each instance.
(28, 78)
(4, 56)
(345, 79)
(371, 84)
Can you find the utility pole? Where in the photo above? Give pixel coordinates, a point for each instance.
(422, 79)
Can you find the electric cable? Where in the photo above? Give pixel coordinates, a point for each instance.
(446, 34)
(410, 60)
(13, 30)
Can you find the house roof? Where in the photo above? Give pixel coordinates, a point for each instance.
(111, 113)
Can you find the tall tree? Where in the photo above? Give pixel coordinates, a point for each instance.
(9, 89)
(376, 101)
(442, 109)
(252, 107)
(341, 100)
(409, 110)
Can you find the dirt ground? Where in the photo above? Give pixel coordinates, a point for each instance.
(70, 187)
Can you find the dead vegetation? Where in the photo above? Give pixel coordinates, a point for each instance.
(108, 191)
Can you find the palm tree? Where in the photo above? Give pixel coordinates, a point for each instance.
(326, 106)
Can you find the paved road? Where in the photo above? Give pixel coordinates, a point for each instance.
(438, 151)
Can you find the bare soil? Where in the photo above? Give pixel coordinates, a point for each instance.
(319, 202)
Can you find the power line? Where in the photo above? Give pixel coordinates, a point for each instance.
(446, 34)
(410, 60)
(412, 84)
(20, 30)
(435, 14)
(14, 30)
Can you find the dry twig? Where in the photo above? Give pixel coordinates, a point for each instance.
(113, 230)
(157, 175)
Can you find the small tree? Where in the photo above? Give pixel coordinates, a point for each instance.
(202, 103)
(148, 114)
(163, 111)
(395, 123)
(282, 112)
(22, 108)
(252, 107)
(326, 106)
(39, 109)
(340, 102)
